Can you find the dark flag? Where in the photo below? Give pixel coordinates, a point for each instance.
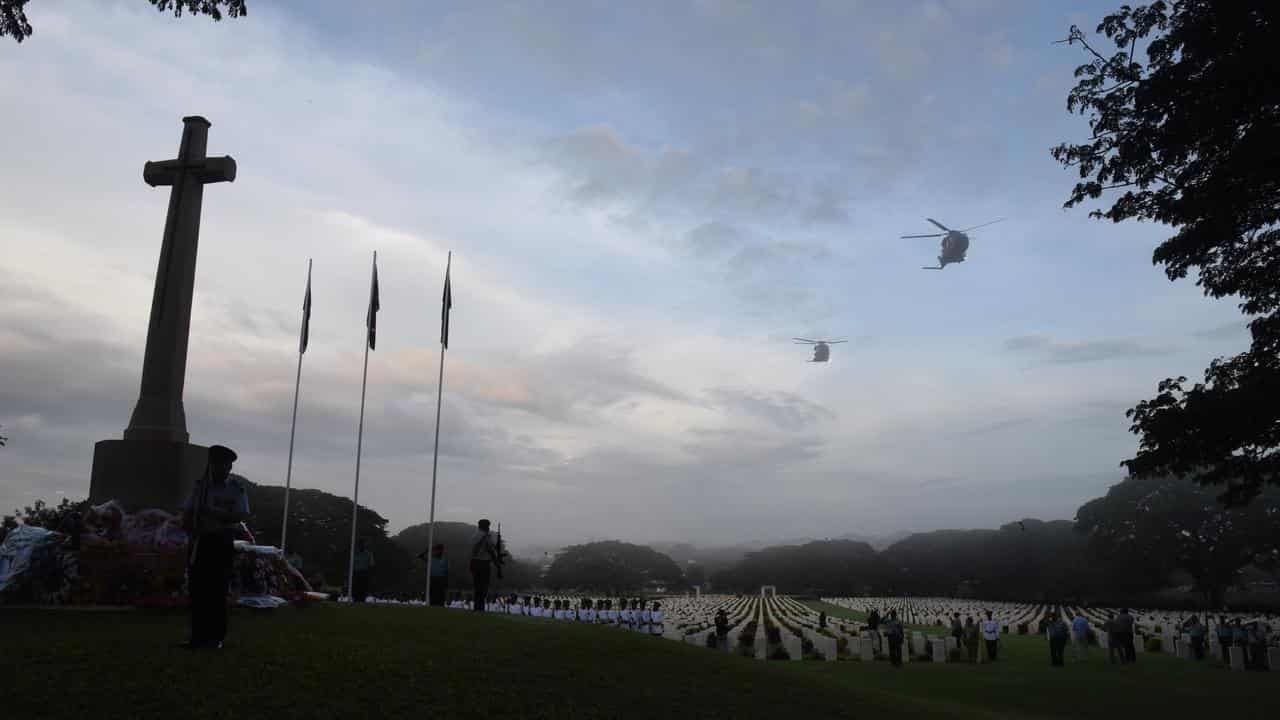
(446, 303)
(371, 322)
(306, 313)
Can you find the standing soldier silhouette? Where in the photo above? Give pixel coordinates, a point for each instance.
(217, 505)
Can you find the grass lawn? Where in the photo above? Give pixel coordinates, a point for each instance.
(343, 662)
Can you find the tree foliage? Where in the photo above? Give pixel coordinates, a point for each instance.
(1146, 528)
(613, 567)
(13, 18)
(456, 538)
(320, 531)
(1192, 137)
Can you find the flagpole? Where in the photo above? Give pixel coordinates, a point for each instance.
(297, 384)
(435, 459)
(355, 498)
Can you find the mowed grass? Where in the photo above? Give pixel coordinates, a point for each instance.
(375, 661)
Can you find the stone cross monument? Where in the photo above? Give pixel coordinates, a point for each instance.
(154, 465)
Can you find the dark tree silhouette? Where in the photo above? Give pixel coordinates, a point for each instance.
(612, 566)
(1146, 528)
(13, 19)
(1192, 137)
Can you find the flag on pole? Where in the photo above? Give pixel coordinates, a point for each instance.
(372, 321)
(306, 314)
(446, 303)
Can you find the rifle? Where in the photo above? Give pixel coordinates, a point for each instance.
(500, 553)
(193, 533)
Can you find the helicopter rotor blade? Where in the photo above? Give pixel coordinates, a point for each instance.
(975, 227)
(805, 340)
(930, 267)
(904, 237)
(942, 227)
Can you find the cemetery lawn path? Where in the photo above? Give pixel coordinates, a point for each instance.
(1023, 683)
(391, 662)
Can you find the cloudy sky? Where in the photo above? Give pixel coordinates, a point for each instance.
(644, 205)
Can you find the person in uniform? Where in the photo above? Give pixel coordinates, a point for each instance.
(361, 570)
(484, 554)
(655, 620)
(216, 506)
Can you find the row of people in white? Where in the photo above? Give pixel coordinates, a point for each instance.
(646, 620)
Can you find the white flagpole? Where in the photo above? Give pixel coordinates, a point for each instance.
(435, 459)
(355, 497)
(288, 476)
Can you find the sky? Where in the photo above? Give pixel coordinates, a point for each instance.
(644, 204)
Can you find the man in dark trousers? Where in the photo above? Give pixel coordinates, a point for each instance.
(438, 566)
(216, 506)
(895, 635)
(484, 554)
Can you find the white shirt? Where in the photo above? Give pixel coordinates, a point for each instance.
(990, 630)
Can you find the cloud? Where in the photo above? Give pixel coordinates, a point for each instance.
(1227, 331)
(1083, 351)
(782, 410)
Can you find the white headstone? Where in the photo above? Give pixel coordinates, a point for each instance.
(828, 647)
(868, 646)
(939, 650)
(919, 644)
(1237, 658)
(793, 645)
(1184, 648)
(762, 646)
(952, 644)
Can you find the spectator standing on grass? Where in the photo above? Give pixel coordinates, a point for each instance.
(1058, 634)
(1124, 636)
(1080, 636)
(1197, 632)
(360, 571)
(1224, 639)
(439, 569)
(957, 628)
(1113, 642)
(971, 639)
(894, 632)
(722, 629)
(991, 635)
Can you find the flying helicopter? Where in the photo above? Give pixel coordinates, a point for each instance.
(955, 243)
(821, 351)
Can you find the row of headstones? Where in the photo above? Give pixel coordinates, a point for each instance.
(939, 612)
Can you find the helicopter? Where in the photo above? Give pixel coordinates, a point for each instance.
(821, 351)
(955, 243)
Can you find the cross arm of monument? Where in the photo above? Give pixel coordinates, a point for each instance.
(208, 170)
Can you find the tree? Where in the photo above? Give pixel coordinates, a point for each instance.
(456, 538)
(320, 531)
(13, 18)
(1146, 528)
(836, 567)
(612, 566)
(1193, 139)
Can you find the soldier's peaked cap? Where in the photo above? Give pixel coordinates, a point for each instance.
(221, 454)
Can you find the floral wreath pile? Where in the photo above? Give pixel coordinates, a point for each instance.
(112, 557)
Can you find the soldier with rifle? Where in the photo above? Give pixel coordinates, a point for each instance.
(486, 554)
(217, 505)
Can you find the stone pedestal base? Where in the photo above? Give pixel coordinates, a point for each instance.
(144, 474)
